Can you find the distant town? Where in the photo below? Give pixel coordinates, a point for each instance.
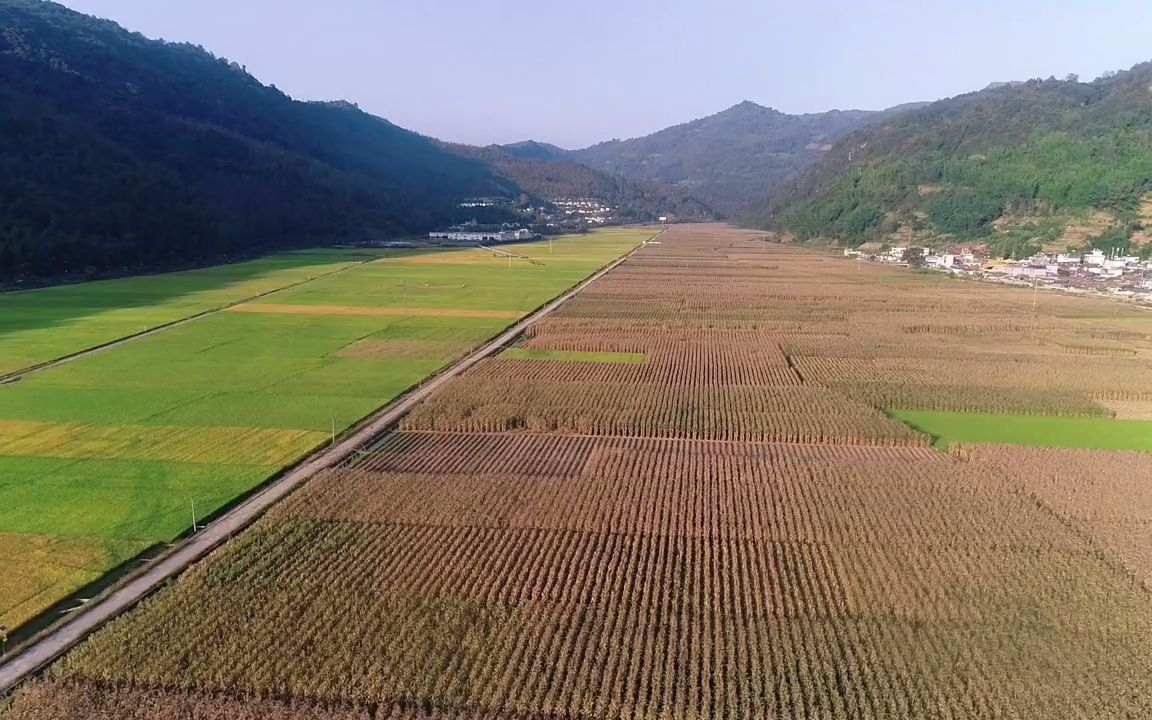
(564, 215)
(1087, 272)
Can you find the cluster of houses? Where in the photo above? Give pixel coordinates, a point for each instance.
(474, 234)
(1091, 271)
(593, 212)
(485, 202)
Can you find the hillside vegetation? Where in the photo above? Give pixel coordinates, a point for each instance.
(732, 158)
(1014, 165)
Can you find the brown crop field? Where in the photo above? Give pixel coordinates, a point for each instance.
(1105, 495)
(733, 527)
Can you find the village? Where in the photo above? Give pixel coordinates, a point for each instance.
(1088, 272)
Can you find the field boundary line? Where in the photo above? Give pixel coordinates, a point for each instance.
(42, 649)
(17, 375)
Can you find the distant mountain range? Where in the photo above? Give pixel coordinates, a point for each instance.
(733, 158)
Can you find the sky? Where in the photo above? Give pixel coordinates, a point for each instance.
(576, 72)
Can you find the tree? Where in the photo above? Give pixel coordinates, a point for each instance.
(914, 256)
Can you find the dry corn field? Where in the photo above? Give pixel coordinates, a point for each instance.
(731, 528)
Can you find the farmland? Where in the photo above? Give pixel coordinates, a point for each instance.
(686, 493)
(41, 325)
(105, 457)
(1103, 433)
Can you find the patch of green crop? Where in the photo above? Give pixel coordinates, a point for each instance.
(115, 499)
(517, 353)
(1045, 431)
(43, 324)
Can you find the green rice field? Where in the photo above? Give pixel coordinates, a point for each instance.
(108, 455)
(1099, 433)
(41, 325)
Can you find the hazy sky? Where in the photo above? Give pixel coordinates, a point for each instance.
(574, 72)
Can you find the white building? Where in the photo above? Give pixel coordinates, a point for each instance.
(482, 236)
(1096, 257)
(1028, 271)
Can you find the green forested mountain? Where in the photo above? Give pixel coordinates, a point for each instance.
(731, 158)
(534, 150)
(1014, 164)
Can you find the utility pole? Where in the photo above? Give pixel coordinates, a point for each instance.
(195, 527)
(333, 431)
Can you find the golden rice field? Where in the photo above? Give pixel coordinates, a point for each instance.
(689, 493)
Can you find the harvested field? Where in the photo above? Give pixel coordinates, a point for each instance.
(599, 356)
(1129, 409)
(788, 412)
(729, 525)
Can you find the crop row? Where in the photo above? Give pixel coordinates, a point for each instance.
(607, 624)
(741, 498)
(688, 366)
(478, 403)
(1115, 378)
(1106, 494)
(556, 334)
(567, 455)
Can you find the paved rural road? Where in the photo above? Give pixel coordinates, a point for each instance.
(42, 651)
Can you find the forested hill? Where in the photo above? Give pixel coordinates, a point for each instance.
(732, 158)
(544, 172)
(120, 152)
(1044, 163)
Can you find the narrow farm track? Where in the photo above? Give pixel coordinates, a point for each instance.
(50, 645)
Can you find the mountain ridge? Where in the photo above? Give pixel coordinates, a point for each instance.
(730, 158)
